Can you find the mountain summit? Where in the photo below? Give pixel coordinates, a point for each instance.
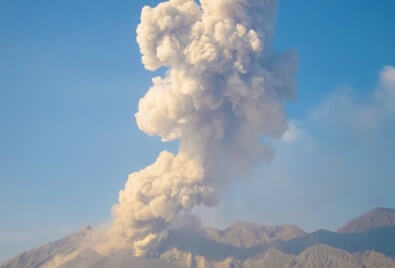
(376, 218)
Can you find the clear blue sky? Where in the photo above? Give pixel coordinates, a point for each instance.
(70, 80)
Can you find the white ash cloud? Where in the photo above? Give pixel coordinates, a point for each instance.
(224, 89)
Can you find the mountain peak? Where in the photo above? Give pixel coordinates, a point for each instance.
(376, 218)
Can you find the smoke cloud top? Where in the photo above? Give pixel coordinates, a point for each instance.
(224, 89)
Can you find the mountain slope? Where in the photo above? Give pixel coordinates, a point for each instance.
(316, 256)
(379, 239)
(66, 253)
(271, 258)
(377, 260)
(39, 256)
(325, 256)
(379, 217)
(247, 235)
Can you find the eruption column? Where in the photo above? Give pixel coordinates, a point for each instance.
(223, 90)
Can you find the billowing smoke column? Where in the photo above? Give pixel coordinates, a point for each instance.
(224, 89)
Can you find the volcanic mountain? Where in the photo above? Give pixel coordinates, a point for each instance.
(242, 244)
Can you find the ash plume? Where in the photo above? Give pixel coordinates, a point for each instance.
(224, 89)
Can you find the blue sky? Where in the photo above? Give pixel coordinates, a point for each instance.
(70, 80)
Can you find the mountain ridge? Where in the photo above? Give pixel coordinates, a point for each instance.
(242, 244)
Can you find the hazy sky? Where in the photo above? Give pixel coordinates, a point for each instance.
(70, 80)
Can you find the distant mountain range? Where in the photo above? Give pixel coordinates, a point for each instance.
(366, 241)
